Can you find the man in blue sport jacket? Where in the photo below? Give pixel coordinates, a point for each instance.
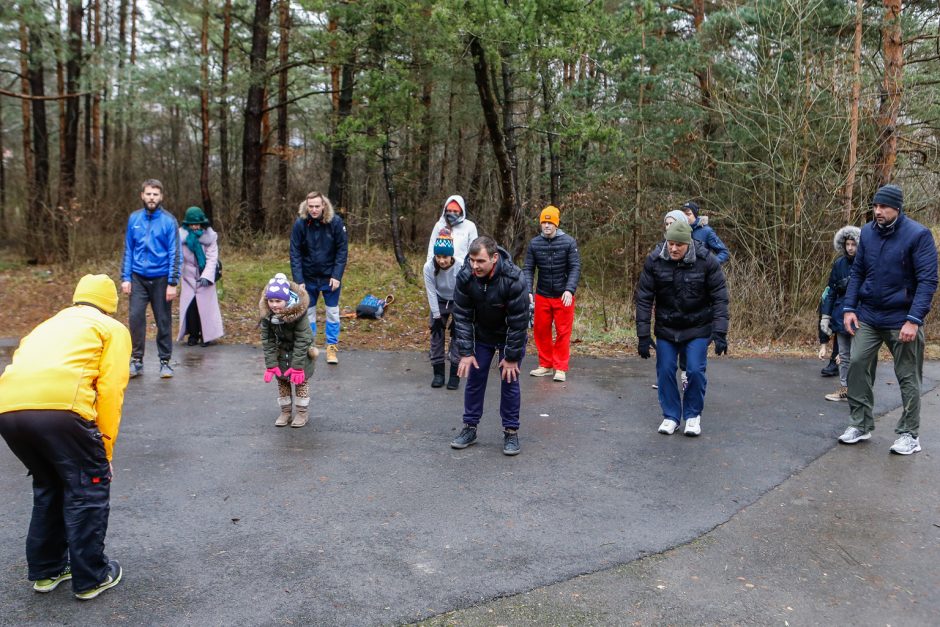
(150, 273)
(891, 285)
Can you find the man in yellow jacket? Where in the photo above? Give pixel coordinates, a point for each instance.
(60, 409)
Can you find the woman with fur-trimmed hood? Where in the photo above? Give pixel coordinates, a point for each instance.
(845, 243)
(287, 341)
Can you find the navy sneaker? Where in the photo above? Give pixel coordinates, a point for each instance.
(166, 372)
(137, 368)
(467, 437)
(511, 443)
(114, 578)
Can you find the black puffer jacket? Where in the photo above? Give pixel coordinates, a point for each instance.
(690, 295)
(558, 263)
(493, 310)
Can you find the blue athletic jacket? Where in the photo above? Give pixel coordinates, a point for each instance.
(706, 234)
(152, 246)
(894, 275)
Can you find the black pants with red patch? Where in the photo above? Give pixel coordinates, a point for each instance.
(71, 493)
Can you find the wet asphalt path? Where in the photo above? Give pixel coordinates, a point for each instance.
(366, 516)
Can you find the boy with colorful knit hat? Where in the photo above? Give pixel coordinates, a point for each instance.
(554, 254)
(440, 278)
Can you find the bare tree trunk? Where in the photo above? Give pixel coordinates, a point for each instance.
(26, 107)
(340, 151)
(554, 175)
(488, 102)
(254, 111)
(393, 210)
(630, 273)
(39, 246)
(424, 151)
(225, 180)
(94, 168)
(891, 92)
(476, 176)
(853, 116)
(445, 152)
(283, 149)
(119, 171)
(704, 76)
(204, 111)
(3, 181)
(73, 69)
(60, 56)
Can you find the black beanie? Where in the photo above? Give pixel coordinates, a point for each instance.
(693, 207)
(889, 195)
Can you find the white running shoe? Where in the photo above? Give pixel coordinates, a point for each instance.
(905, 445)
(853, 435)
(693, 426)
(668, 426)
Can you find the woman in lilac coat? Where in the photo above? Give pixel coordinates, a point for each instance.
(200, 316)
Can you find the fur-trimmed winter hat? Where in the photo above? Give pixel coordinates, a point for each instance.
(444, 244)
(890, 195)
(278, 288)
(845, 233)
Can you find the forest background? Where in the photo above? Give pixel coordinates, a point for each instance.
(780, 117)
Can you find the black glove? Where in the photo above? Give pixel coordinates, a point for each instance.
(437, 324)
(203, 282)
(721, 343)
(643, 346)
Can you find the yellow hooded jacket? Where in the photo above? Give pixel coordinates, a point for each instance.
(76, 361)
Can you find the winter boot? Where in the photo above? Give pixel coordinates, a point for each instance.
(831, 369)
(454, 382)
(300, 419)
(438, 380)
(284, 419)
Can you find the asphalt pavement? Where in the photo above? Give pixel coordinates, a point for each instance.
(367, 516)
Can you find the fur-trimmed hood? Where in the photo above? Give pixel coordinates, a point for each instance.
(328, 212)
(846, 232)
(291, 312)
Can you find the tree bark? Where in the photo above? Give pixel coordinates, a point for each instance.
(340, 151)
(853, 115)
(254, 111)
(42, 245)
(283, 149)
(204, 112)
(890, 92)
(490, 106)
(225, 180)
(73, 69)
(393, 210)
(95, 164)
(26, 108)
(704, 76)
(554, 174)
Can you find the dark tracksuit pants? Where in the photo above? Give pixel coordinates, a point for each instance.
(146, 291)
(439, 331)
(510, 398)
(71, 493)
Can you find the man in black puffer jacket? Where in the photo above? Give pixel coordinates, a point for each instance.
(491, 315)
(554, 254)
(686, 284)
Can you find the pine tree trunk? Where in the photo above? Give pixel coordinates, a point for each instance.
(26, 108)
(254, 111)
(890, 93)
(340, 152)
(225, 180)
(853, 116)
(393, 210)
(204, 112)
(39, 246)
(283, 149)
(73, 69)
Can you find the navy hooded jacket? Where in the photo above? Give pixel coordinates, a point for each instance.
(894, 276)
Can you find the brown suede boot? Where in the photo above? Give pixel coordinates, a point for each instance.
(284, 419)
(300, 419)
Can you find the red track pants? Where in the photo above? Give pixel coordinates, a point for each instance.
(553, 353)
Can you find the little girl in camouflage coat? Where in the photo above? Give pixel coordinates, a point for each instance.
(289, 353)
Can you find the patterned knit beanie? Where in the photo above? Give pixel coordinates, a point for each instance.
(444, 244)
(278, 288)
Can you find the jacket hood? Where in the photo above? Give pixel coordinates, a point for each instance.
(846, 232)
(460, 201)
(326, 217)
(97, 290)
(291, 312)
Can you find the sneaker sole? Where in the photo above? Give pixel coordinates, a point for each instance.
(692, 434)
(866, 436)
(544, 374)
(664, 432)
(511, 453)
(50, 588)
(910, 452)
(87, 596)
(460, 447)
(837, 400)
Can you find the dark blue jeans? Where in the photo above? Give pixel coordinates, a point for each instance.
(146, 291)
(71, 493)
(510, 397)
(696, 356)
(331, 301)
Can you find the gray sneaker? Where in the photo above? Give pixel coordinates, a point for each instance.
(467, 437)
(905, 445)
(166, 372)
(853, 435)
(137, 368)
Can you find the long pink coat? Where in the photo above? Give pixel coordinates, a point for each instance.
(207, 299)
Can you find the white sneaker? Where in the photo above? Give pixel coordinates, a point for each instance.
(668, 426)
(853, 435)
(542, 371)
(693, 426)
(560, 376)
(905, 445)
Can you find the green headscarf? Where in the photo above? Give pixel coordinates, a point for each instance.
(195, 215)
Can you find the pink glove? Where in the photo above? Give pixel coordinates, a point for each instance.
(270, 373)
(296, 375)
